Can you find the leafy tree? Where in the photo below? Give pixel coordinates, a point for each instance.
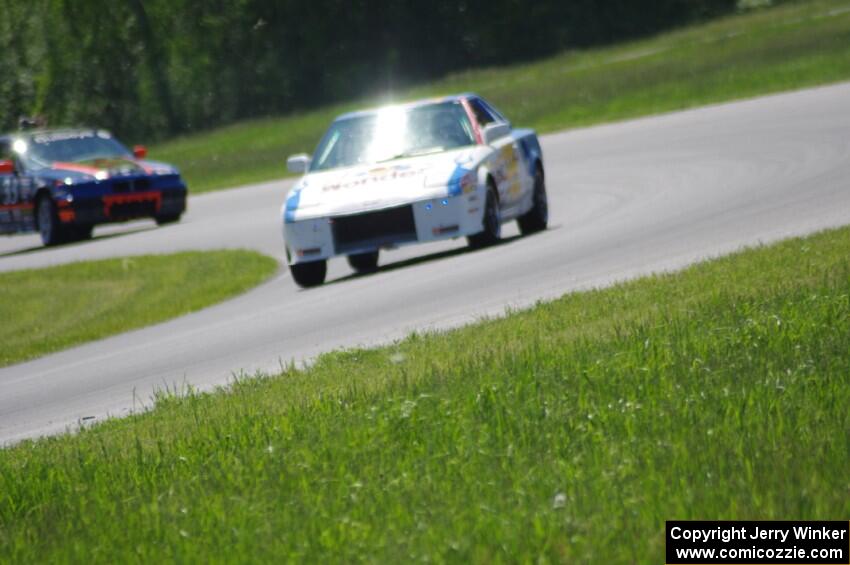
(154, 68)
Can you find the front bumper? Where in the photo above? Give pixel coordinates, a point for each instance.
(422, 221)
(118, 207)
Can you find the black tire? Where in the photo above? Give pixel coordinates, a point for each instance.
(537, 218)
(364, 262)
(167, 219)
(309, 274)
(492, 222)
(52, 232)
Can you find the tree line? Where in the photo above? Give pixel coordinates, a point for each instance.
(149, 69)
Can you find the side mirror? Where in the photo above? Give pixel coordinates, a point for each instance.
(140, 151)
(494, 131)
(7, 166)
(298, 163)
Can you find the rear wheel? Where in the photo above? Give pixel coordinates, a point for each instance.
(49, 228)
(492, 222)
(364, 262)
(537, 218)
(309, 274)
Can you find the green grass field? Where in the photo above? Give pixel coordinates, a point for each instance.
(566, 433)
(45, 310)
(794, 45)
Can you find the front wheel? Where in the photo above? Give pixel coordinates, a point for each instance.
(537, 218)
(364, 262)
(492, 223)
(309, 274)
(49, 228)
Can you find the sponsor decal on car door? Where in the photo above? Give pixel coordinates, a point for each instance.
(507, 171)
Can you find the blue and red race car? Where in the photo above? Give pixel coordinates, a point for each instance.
(63, 182)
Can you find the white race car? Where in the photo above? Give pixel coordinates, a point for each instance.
(425, 171)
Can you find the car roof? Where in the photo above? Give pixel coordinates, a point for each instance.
(406, 105)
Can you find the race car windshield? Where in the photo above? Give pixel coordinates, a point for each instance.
(394, 133)
(42, 150)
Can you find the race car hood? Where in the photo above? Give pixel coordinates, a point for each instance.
(370, 187)
(102, 169)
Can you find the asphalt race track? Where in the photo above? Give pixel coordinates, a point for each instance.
(625, 199)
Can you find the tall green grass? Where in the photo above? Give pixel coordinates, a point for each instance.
(566, 433)
(45, 310)
(794, 45)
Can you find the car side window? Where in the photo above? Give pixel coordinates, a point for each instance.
(482, 114)
(492, 111)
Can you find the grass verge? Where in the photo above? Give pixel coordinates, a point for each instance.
(794, 45)
(45, 310)
(569, 432)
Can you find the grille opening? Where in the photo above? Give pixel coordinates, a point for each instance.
(374, 229)
(136, 185)
(132, 209)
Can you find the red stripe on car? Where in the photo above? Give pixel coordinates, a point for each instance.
(471, 115)
(76, 167)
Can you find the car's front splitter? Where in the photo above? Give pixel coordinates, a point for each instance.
(427, 220)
